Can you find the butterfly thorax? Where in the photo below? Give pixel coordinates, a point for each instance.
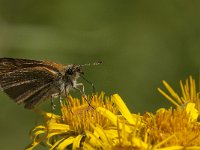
(67, 80)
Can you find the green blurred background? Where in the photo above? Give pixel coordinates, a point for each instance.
(140, 43)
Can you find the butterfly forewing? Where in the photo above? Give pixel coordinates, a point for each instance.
(28, 81)
(11, 64)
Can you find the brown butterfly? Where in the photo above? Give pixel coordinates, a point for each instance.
(31, 81)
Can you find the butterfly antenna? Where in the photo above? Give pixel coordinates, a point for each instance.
(92, 64)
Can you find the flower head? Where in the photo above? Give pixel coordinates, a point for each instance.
(109, 124)
(124, 133)
(80, 125)
(175, 125)
(70, 128)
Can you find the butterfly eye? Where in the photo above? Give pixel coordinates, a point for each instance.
(70, 71)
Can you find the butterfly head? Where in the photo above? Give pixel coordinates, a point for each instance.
(73, 71)
(76, 70)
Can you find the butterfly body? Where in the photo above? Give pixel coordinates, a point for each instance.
(31, 81)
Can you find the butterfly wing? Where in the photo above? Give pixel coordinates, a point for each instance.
(11, 64)
(28, 81)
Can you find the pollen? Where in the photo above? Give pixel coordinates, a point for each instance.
(174, 125)
(79, 115)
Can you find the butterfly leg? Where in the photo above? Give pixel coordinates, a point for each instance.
(82, 92)
(83, 88)
(53, 106)
(93, 87)
(60, 99)
(53, 96)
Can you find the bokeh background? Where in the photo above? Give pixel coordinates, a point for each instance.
(140, 43)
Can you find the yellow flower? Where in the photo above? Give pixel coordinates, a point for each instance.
(189, 94)
(172, 127)
(108, 124)
(177, 127)
(71, 127)
(80, 125)
(125, 132)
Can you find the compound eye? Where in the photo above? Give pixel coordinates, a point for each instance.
(70, 71)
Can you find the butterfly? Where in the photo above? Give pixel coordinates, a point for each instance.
(31, 81)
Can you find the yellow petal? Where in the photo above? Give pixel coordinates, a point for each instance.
(180, 148)
(168, 97)
(113, 118)
(65, 143)
(103, 135)
(139, 143)
(161, 110)
(76, 143)
(40, 127)
(93, 139)
(172, 148)
(123, 109)
(50, 136)
(87, 146)
(107, 114)
(51, 115)
(112, 133)
(192, 111)
(183, 90)
(172, 92)
(36, 140)
(57, 126)
(56, 144)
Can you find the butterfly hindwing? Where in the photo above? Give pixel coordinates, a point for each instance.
(39, 96)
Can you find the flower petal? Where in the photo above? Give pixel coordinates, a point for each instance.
(36, 139)
(123, 109)
(113, 118)
(65, 143)
(93, 139)
(168, 97)
(57, 126)
(101, 133)
(76, 143)
(109, 115)
(56, 144)
(192, 111)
